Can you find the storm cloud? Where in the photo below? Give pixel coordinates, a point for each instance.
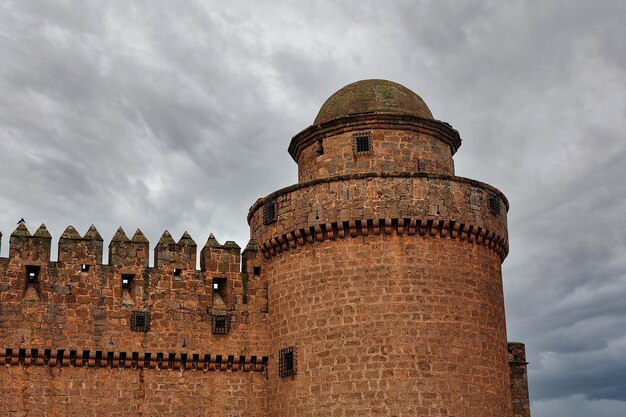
(177, 115)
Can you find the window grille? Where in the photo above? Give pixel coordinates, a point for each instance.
(269, 212)
(287, 362)
(362, 143)
(140, 321)
(220, 323)
(494, 205)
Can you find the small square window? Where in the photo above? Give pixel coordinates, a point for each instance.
(32, 273)
(257, 271)
(320, 148)
(84, 268)
(494, 205)
(219, 285)
(287, 362)
(269, 212)
(127, 281)
(178, 272)
(220, 323)
(362, 143)
(140, 321)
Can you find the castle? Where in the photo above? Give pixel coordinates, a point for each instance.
(373, 287)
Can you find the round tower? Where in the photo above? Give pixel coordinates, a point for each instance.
(383, 268)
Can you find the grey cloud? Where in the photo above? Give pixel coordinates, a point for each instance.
(174, 117)
(577, 406)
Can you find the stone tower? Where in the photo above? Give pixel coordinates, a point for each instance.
(383, 268)
(371, 288)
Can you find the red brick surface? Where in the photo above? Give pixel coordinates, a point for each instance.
(389, 326)
(68, 391)
(400, 150)
(72, 313)
(462, 205)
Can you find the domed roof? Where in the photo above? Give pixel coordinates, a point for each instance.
(373, 96)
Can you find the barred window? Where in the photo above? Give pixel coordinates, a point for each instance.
(269, 212)
(494, 205)
(140, 321)
(220, 323)
(287, 362)
(362, 143)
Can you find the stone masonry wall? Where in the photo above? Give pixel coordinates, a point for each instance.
(397, 150)
(389, 286)
(519, 379)
(76, 391)
(74, 320)
(362, 203)
(389, 326)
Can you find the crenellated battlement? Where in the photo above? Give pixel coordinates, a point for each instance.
(79, 302)
(84, 250)
(124, 252)
(35, 248)
(181, 255)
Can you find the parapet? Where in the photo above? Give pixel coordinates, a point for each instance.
(124, 252)
(75, 248)
(80, 259)
(181, 255)
(129, 252)
(35, 248)
(216, 257)
(77, 302)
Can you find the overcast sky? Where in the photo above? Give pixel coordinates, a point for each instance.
(177, 115)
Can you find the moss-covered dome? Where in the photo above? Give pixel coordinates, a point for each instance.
(373, 96)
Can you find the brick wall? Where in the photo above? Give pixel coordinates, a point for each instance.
(389, 286)
(75, 391)
(453, 205)
(68, 332)
(401, 151)
(399, 143)
(389, 326)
